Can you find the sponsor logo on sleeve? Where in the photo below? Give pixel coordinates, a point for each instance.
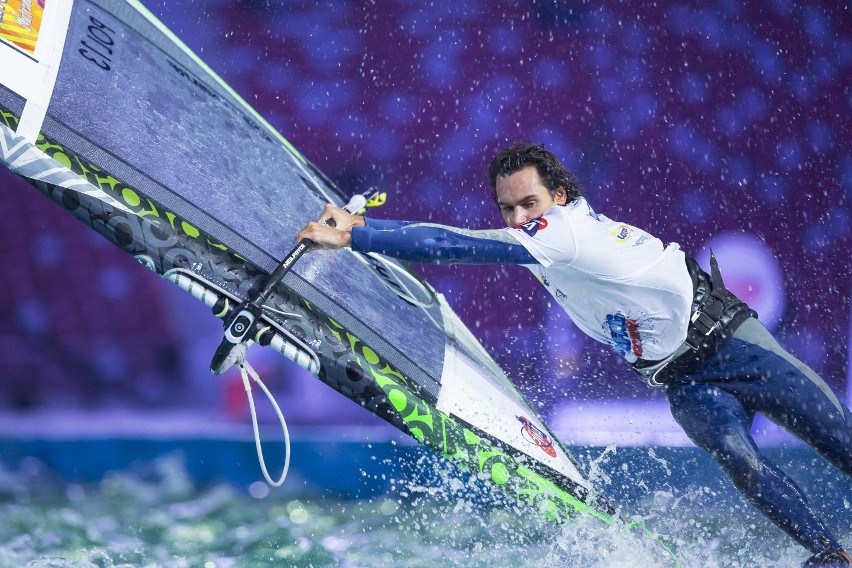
(533, 226)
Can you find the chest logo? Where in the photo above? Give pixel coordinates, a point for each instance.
(622, 233)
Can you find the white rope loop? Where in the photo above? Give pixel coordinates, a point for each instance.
(408, 296)
(247, 371)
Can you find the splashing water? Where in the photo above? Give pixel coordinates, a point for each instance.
(157, 516)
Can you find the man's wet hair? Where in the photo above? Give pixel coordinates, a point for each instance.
(522, 154)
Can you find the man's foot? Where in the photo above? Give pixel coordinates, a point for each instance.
(837, 558)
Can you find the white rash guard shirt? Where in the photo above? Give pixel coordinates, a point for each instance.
(620, 285)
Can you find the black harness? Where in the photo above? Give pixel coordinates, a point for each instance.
(716, 315)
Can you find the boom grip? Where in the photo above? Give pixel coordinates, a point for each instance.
(242, 319)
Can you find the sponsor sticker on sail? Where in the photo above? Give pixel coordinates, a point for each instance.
(20, 22)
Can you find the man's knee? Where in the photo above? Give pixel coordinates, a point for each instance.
(739, 458)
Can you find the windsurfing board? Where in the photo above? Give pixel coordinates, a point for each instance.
(107, 113)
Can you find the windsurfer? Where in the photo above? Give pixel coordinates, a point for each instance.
(678, 326)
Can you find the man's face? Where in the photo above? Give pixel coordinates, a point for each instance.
(521, 196)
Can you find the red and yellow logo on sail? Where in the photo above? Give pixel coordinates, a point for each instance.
(20, 21)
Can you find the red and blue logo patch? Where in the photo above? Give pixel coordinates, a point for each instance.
(533, 226)
(536, 436)
(625, 334)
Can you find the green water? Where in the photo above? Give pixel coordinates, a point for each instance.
(155, 515)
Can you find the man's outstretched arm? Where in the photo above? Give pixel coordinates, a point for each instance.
(416, 242)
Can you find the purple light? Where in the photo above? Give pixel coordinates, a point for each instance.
(750, 270)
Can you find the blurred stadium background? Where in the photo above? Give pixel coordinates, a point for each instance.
(723, 124)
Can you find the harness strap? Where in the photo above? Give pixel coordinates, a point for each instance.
(716, 315)
(717, 312)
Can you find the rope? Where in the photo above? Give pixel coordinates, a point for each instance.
(407, 296)
(247, 371)
(280, 312)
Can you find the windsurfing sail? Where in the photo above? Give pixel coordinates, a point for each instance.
(106, 112)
